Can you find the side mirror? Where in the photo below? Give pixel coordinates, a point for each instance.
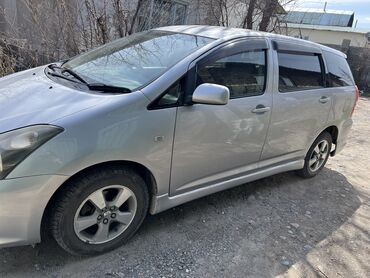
(211, 94)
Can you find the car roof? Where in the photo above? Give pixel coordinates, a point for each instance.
(226, 33)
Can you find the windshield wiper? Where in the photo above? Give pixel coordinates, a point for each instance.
(74, 74)
(107, 88)
(92, 86)
(69, 71)
(62, 76)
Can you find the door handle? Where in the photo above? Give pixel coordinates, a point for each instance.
(324, 99)
(260, 109)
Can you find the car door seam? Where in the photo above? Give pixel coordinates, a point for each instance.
(271, 85)
(172, 150)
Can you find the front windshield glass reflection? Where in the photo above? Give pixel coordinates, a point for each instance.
(134, 61)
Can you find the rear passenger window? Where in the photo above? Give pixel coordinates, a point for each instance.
(339, 71)
(243, 73)
(299, 72)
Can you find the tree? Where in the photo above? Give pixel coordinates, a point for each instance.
(248, 22)
(53, 30)
(268, 8)
(135, 15)
(251, 14)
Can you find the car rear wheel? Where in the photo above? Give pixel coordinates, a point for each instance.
(317, 156)
(99, 211)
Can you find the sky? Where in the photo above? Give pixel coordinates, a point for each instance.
(360, 7)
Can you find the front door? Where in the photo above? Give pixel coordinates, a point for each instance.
(216, 142)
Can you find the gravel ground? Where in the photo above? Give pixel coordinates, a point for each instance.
(278, 226)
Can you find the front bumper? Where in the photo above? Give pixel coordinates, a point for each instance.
(22, 204)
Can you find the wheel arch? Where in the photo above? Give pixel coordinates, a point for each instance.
(142, 170)
(333, 131)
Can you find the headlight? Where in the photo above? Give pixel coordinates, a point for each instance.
(17, 144)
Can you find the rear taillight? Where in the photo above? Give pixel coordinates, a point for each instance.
(356, 99)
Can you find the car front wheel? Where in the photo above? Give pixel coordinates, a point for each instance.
(99, 211)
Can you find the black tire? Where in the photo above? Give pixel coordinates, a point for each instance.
(74, 194)
(307, 172)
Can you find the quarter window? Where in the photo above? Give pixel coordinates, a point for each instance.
(299, 72)
(244, 73)
(339, 71)
(171, 97)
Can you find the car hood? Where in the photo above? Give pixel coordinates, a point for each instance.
(30, 97)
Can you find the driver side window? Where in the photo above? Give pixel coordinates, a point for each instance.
(243, 73)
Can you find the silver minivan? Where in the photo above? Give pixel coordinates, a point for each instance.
(89, 146)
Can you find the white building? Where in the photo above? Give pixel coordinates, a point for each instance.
(324, 26)
(344, 36)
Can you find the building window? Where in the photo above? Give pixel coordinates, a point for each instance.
(157, 13)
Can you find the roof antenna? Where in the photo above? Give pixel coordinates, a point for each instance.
(325, 6)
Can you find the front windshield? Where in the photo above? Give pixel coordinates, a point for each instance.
(134, 61)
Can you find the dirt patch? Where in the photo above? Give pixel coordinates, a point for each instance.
(281, 225)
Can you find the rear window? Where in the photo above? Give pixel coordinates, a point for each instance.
(339, 72)
(299, 72)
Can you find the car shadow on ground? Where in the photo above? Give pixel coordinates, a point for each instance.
(257, 229)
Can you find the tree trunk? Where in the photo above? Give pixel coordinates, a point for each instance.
(268, 10)
(248, 19)
(251, 7)
(119, 18)
(133, 21)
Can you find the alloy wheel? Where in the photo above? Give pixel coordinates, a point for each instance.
(105, 214)
(319, 155)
